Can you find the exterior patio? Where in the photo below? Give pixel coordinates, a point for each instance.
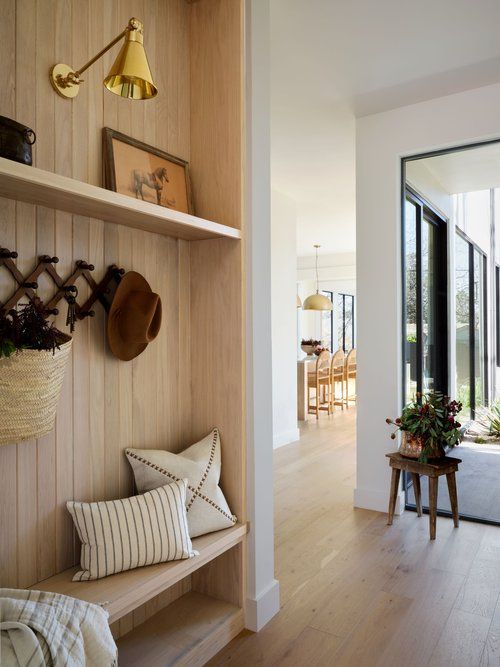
(477, 482)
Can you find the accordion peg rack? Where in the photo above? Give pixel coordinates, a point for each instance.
(66, 288)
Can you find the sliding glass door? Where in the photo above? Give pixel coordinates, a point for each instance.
(471, 326)
(425, 303)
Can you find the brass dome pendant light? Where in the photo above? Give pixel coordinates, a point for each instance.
(317, 301)
(129, 76)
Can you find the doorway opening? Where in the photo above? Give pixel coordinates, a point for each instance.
(451, 318)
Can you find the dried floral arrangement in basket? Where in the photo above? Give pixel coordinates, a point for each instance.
(29, 329)
(33, 357)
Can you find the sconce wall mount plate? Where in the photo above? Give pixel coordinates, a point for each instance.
(60, 76)
(128, 77)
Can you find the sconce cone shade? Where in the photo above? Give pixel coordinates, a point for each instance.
(130, 75)
(317, 302)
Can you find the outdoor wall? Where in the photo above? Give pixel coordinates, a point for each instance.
(426, 184)
(284, 318)
(473, 217)
(382, 139)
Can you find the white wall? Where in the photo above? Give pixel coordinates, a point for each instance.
(262, 588)
(284, 318)
(381, 140)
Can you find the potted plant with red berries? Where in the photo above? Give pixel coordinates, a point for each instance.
(428, 426)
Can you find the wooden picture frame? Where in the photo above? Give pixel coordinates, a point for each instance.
(138, 170)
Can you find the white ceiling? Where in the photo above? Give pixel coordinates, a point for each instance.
(334, 59)
(468, 170)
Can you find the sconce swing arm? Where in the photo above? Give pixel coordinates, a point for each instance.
(129, 76)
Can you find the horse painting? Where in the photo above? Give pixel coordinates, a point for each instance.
(153, 180)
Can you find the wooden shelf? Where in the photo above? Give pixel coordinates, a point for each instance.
(190, 631)
(124, 592)
(36, 186)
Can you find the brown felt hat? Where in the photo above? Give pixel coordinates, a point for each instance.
(134, 317)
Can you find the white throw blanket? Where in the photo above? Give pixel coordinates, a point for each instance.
(41, 629)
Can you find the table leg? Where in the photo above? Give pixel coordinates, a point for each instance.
(416, 488)
(452, 490)
(433, 495)
(302, 392)
(396, 474)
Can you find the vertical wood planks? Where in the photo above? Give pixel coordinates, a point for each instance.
(63, 164)
(217, 109)
(27, 477)
(45, 244)
(8, 453)
(96, 326)
(216, 267)
(156, 400)
(82, 463)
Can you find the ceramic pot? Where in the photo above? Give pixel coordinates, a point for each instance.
(308, 349)
(412, 447)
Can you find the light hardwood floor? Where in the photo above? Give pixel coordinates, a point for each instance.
(356, 592)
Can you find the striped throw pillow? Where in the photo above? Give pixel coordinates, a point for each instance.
(119, 535)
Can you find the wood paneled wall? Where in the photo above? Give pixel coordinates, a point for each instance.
(106, 405)
(192, 377)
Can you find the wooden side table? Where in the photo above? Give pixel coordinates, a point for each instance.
(433, 470)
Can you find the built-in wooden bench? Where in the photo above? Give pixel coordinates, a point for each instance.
(186, 630)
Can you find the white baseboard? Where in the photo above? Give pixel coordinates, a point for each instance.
(370, 499)
(285, 437)
(260, 611)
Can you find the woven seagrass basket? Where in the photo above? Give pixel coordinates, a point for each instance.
(30, 384)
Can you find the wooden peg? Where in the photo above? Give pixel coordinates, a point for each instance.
(7, 254)
(81, 264)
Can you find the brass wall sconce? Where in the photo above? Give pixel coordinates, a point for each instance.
(129, 76)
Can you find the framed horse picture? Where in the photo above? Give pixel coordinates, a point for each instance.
(135, 169)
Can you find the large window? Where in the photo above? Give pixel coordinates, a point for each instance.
(425, 302)
(345, 322)
(471, 328)
(337, 326)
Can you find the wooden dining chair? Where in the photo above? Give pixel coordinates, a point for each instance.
(337, 377)
(350, 375)
(319, 380)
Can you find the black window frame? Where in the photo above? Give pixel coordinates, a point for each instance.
(329, 294)
(345, 296)
(425, 211)
(497, 314)
(473, 247)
